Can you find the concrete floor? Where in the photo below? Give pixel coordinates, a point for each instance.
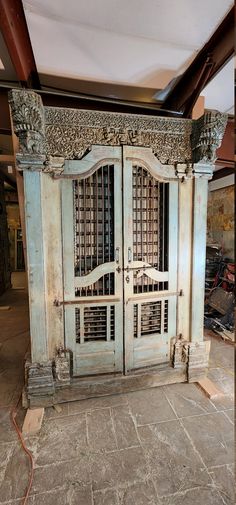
(168, 445)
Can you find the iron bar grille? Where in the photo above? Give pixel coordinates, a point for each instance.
(150, 227)
(94, 228)
(95, 324)
(150, 318)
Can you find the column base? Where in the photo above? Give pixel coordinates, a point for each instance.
(196, 357)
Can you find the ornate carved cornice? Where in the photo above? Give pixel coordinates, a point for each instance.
(49, 135)
(70, 133)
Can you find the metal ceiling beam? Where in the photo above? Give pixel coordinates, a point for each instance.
(16, 35)
(208, 62)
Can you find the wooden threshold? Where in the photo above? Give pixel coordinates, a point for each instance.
(106, 385)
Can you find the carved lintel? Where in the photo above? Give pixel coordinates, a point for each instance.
(207, 135)
(39, 381)
(28, 121)
(71, 133)
(61, 368)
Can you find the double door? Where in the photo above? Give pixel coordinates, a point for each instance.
(119, 229)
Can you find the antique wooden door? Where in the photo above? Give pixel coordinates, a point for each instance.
(119, 227)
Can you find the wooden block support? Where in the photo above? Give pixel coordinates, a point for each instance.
(33, 421)
(209, 388)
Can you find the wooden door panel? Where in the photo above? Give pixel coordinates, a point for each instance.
(92, 231)
(150, 268)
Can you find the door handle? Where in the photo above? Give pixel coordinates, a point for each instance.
(117, 255)
(129, 254)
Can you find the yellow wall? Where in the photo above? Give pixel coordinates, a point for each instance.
(220, 218)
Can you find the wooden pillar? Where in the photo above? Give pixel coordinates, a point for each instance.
(184, 257)
(52, 240)
(200, 193)
(35, 262)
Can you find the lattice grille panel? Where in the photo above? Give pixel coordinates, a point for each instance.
(150, 227)
(94, 228)
(151, 317)
(95, 324)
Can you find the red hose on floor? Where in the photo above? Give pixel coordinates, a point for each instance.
(19, 433)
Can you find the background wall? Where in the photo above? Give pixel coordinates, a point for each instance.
(5, 274)
(220, 219)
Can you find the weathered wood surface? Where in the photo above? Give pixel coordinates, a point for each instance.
(209, 388)
(33, 421)
(184, 257)
(200, 194)
(83, 388)
(36, 265)
(52, 239)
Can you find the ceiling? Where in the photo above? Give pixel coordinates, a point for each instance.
(142, 43)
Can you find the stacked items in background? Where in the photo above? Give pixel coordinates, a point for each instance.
(220, 293)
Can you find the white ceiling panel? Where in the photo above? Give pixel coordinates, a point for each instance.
(219, 93)
(141, 42)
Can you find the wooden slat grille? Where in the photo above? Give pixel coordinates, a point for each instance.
(94, 228)
(150, 227)
(150, 318)
(95, 324)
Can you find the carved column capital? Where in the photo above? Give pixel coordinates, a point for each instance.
(207, 135)
(29, 125)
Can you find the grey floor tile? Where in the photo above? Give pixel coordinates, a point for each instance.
(101, 435)
(118, 468)
(173, 463)
(6, 451)
(212, 435)
(141, 493)
(16, 476)
(51, 413)
(96, 403)
(230, 414)
(202, 496)
(223, 379)
(150, 406)
(7, 431)
(50, 477)
(74, 495)
(61, 439)
(125, 430)
(224, 481)
(107, 497)
(188, 400)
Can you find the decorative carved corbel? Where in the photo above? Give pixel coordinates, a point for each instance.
(207, 135)
(29, 126)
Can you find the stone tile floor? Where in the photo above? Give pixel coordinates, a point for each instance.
(164, 446)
